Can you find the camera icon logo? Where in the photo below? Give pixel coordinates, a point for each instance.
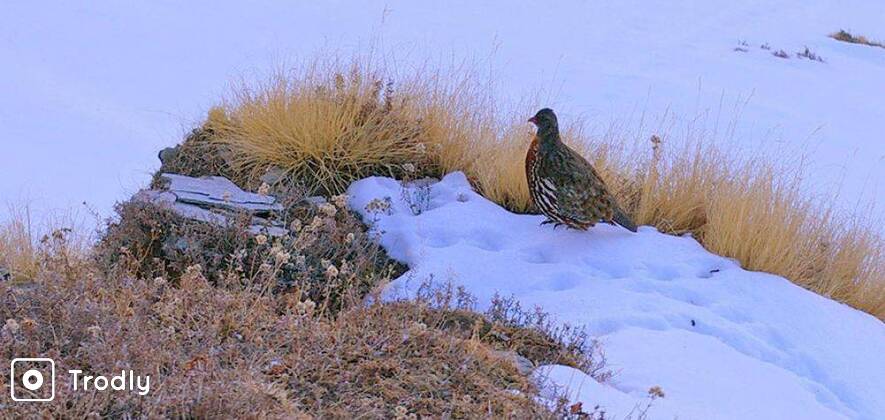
(32, 379)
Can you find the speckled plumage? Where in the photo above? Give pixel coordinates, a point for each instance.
(563, 185)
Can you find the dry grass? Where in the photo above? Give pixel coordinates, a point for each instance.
(18, 251)
(242, 348)
(846, 36)
(763, 219)
(332, 124)
(327, 128)
(25, 244)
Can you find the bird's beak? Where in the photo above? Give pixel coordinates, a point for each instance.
(533, 120)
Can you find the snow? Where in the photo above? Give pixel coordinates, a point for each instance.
(92, 90)
(722, 342)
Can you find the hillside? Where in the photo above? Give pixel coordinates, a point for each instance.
(341, 225)
(720, 341)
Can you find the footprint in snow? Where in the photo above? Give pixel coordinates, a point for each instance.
(440, 238)
(487, 240)
(538, 255)
(563, 281)
(612, 268)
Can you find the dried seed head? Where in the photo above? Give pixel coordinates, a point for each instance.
(305, 307)
(331, 272)
(11, 326)
(282, 257)
(340, 200)
(94, 331)
(301, 261)
(328, 209)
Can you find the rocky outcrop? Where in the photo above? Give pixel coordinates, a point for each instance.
(216, 200)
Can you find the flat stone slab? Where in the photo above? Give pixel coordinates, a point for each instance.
(214, 200)
(216, 191)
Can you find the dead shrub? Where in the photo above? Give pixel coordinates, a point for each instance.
(327, 257)
(248, 352)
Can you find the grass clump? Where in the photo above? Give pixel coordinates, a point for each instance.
(324, 128)
(18, 252)
(24, 249)
(846, 36)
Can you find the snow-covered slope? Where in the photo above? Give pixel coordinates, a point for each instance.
(91, 90)
(722, 342)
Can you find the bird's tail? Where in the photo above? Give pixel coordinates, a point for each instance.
(623, 220)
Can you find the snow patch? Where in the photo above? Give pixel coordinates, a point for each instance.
(721, 341)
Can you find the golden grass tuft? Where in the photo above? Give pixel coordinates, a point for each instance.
(18, 252)
(331, 124)
(27, 246)
(764, 220)
(846, 36)
(326, 127)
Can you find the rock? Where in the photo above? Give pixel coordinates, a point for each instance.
(5, 274)
(268, 230)
(314, 200)
(273, 175)
(214, 200)
(168, 154)
(217, 191)
(523, 365)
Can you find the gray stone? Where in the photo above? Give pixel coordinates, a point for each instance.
(314, 200)
(217, 191)
(5, 274)
(168, 154)
(273, 176)
(522, 364)
(214, 200)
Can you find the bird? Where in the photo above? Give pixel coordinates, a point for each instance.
(563, 185)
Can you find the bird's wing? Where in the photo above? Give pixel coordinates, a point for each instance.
(589, 198)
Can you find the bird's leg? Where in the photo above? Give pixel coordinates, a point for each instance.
(555, 223)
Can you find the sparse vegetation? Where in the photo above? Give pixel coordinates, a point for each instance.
(811, 55)
(221, 342)
(324, 126)
(846, 36)
(329, 257)
(22, 250)
(18, 252)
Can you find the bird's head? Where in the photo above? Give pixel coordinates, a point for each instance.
(545, 120)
